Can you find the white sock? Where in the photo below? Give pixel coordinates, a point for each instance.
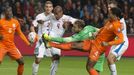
(54, 66)
(113, 69)
(35, 68)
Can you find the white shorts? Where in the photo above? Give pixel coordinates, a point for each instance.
(41, 51)
(118, 50)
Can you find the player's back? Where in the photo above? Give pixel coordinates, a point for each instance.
(7, 29)
(85, 33)
(108, 32)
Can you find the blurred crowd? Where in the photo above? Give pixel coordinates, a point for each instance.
(93, 12)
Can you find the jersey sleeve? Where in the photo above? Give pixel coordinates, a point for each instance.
(71, 19)
(21, 34)
(83, 34)
(63, 39)
(118, 32)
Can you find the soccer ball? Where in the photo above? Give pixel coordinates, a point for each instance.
(32, 37)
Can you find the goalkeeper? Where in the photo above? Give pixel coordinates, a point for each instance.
(82, 32)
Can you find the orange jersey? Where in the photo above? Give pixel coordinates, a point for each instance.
(7, 30)
(108, 33)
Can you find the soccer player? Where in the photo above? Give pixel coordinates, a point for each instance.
(81, 32)
(53, 26)
(105, 37)
(117, 51)
(42, 23)
(8, 27)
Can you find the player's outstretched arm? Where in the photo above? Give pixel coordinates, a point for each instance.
(19, 32)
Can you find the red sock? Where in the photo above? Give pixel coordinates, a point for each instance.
(93, 72)
(20, 70)
(64, 46)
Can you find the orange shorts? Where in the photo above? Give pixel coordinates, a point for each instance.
(12, 52)
(96, 51)
(86, 45)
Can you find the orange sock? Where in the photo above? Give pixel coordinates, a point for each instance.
(20, 70)
(93, 72)
(64, 46)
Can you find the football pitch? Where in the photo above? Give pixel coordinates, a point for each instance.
(67, 66)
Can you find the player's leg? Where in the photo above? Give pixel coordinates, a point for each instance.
(89, 67)
(2, 54)
(20, 69)
(100, 63)
(92, 59)
(16, 55)
(115, 53)
(55, 60)
(81, 46)
(39, 54)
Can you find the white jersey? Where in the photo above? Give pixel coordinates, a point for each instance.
(118, 50)
(124, 31)
(42, 28)
(57, 29)
(54, 28)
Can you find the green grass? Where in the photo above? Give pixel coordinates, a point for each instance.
(68, 66)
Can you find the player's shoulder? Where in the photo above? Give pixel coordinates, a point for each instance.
(2, 19)
(66, 16)
(41, 14)
(14, 20)
(89, 27)
(116, 23)
(122, 21)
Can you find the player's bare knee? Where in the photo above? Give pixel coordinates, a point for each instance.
(37, 60)
(110, 59)
(20, 61)
(56, 57)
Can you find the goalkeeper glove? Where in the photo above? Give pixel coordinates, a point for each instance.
(46, 37)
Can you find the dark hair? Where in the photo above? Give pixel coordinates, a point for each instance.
(80, 23)
(116, 11)
(112, 2)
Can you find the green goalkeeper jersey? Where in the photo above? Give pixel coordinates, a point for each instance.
(85, 33)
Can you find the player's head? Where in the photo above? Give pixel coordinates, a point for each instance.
(112, 4)
(58, 12)
(48, 7)
(78, 26)
(114, 12)
(8, 12)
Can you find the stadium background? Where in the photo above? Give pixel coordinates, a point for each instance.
(93, 12)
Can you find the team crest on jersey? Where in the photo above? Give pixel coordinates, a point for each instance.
(119, 30)
(14, 26)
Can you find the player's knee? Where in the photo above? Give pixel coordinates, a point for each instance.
(20, 61)
(110, 59)
(37, 61)
(0, 62)
(56, 57)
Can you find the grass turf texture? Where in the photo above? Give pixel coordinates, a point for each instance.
(67, 66)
